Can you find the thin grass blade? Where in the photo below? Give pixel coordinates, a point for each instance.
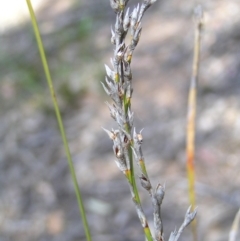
(59, 119)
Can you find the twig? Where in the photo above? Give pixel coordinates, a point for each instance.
(189, 217)
(156, 195)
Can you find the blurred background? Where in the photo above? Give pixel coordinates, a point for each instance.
(37, 199)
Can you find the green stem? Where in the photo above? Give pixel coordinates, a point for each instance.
(131, 179)
(127, 103)
(59, 119)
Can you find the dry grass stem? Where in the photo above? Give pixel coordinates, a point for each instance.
(192, 103)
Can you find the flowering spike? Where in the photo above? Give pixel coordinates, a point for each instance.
(127, 143)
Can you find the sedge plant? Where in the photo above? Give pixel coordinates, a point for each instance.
(126, 140)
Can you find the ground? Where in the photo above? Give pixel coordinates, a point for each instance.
(37, 200)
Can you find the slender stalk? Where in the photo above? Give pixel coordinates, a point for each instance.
(131, 178)
(119, 88)
(126, 141)
(189, 217)
(59, 119)
(192, 102)
(130, 154)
